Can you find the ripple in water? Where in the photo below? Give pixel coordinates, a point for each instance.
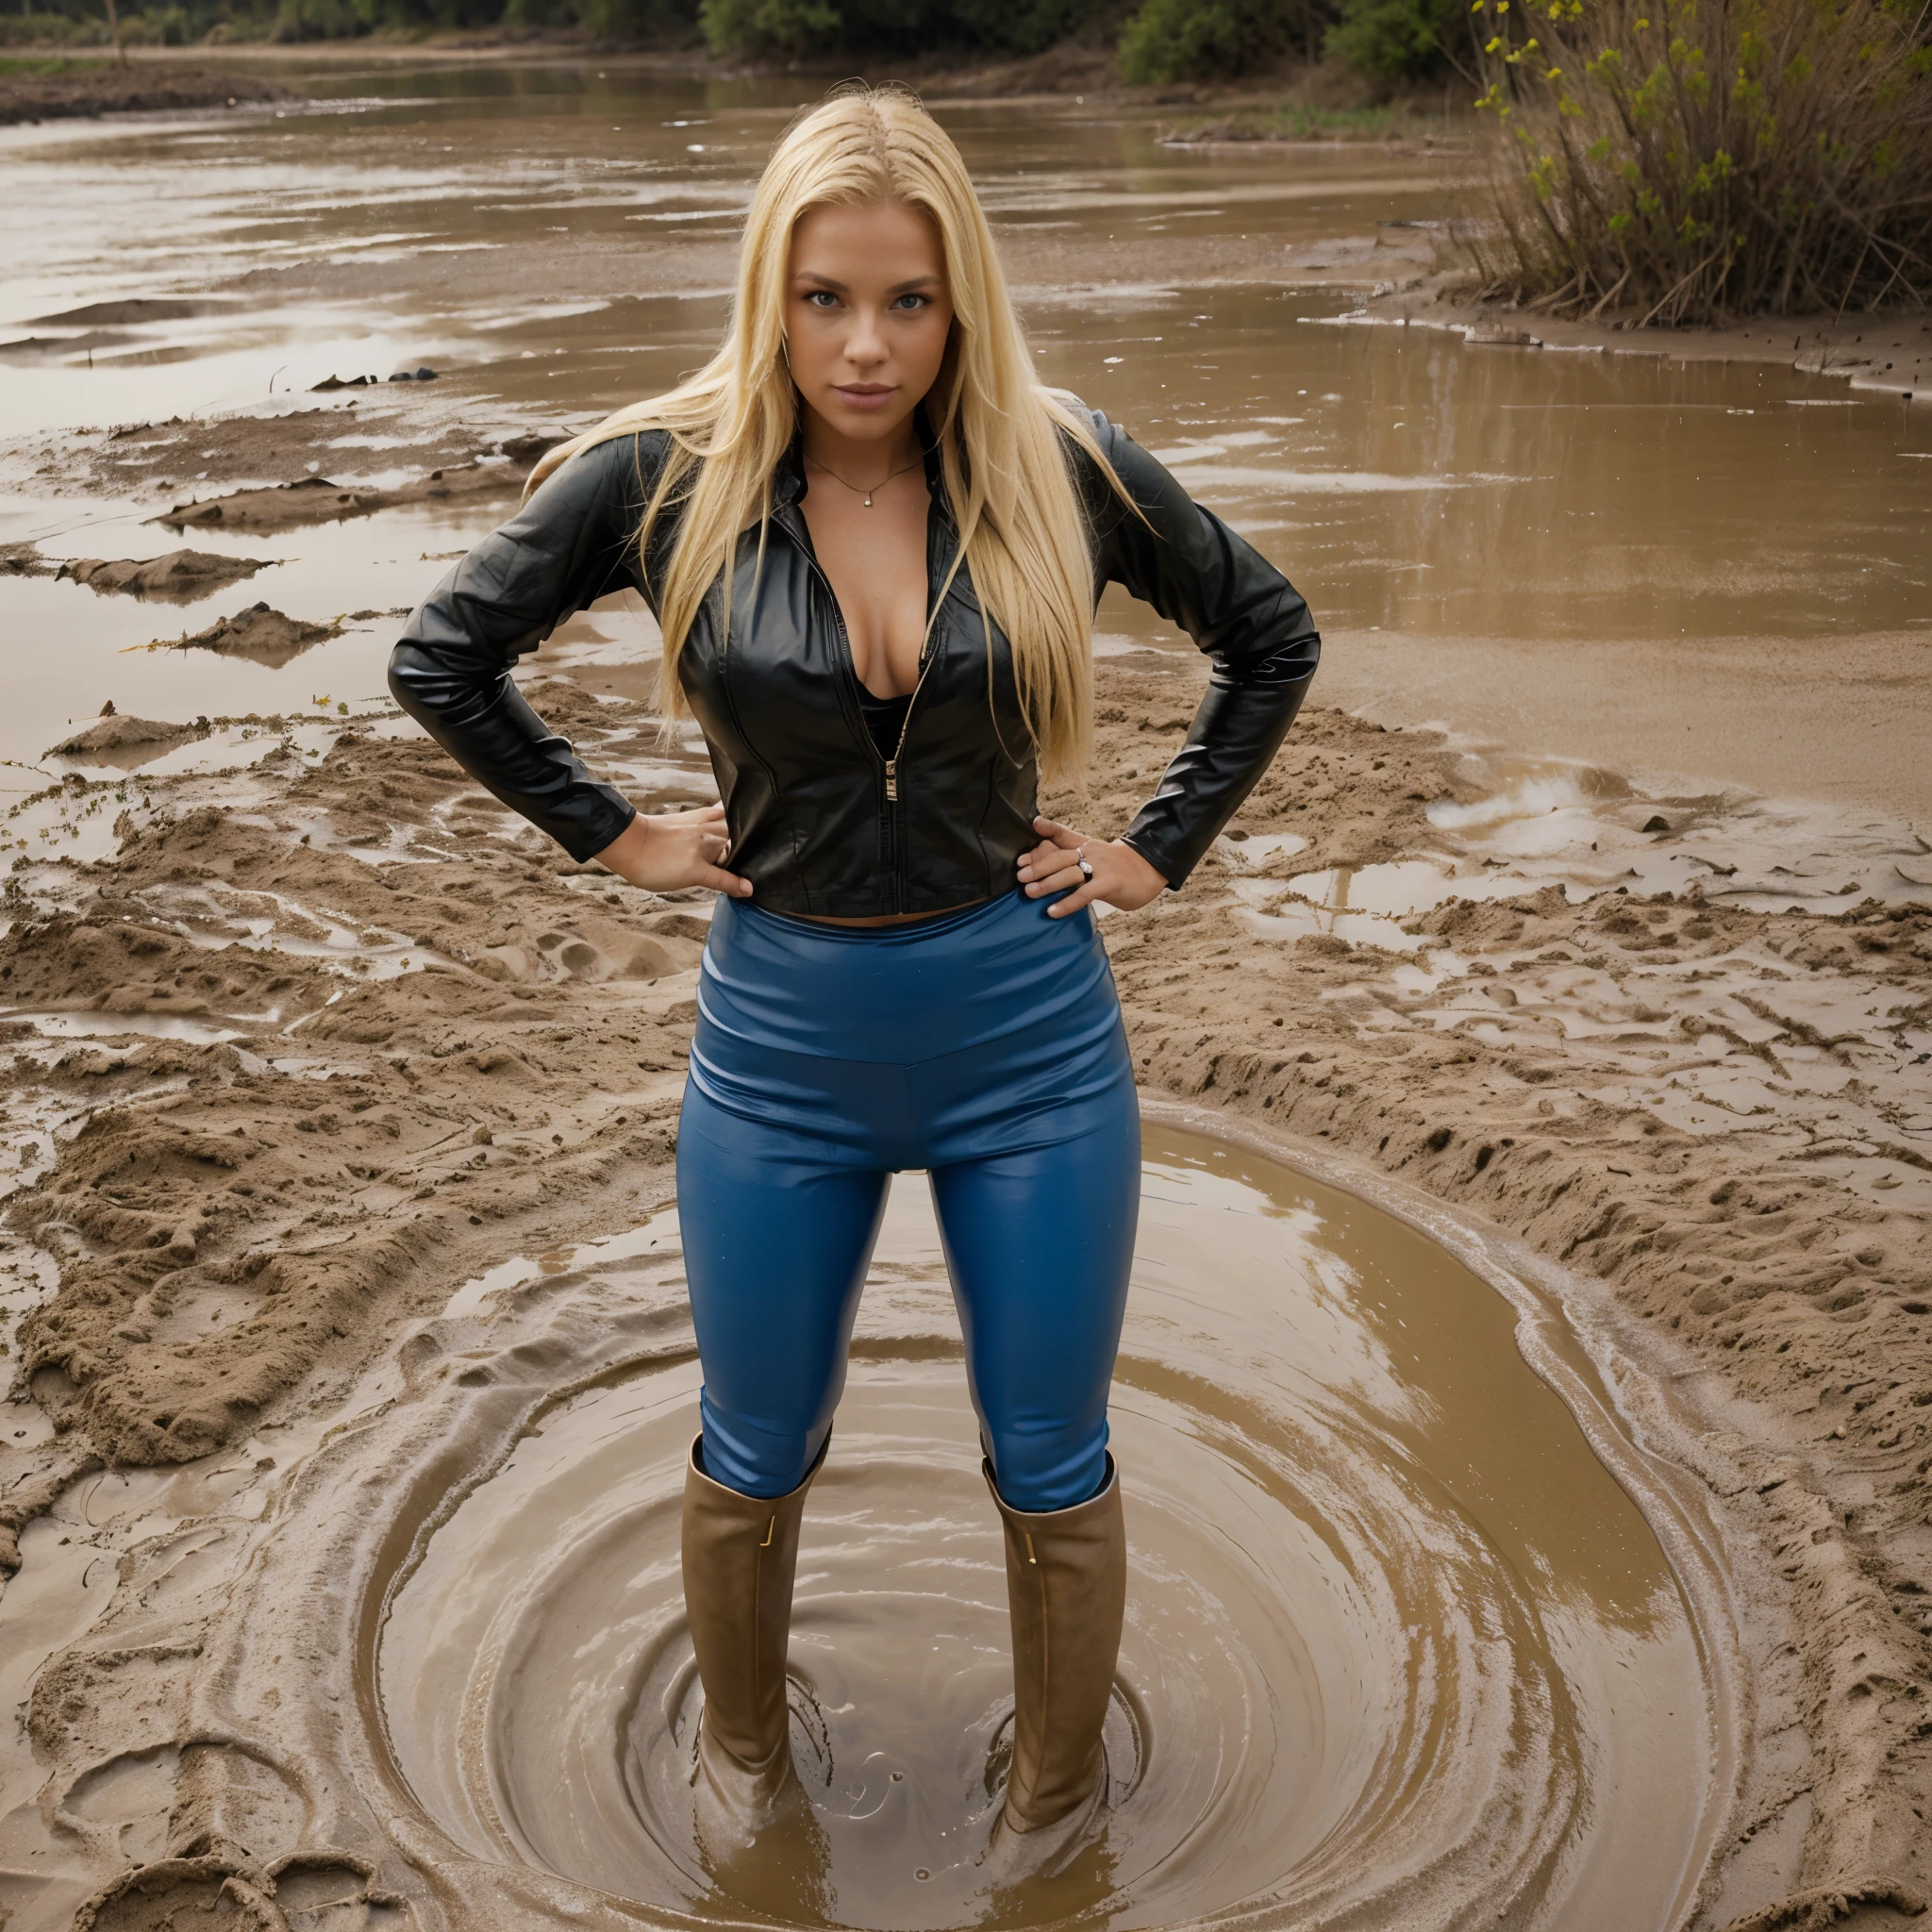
(1399, 1650)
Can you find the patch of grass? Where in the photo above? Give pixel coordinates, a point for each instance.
(44, 66)
(1693, 160)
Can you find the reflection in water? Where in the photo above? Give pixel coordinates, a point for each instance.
(1399, 1649)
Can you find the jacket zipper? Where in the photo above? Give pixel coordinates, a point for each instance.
(924, 665)
(925, 656)
(899, 750)
(935, 534)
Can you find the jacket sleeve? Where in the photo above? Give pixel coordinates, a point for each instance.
(1247, 617)
(570, 544)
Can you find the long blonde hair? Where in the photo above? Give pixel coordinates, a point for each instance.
(1002, 434)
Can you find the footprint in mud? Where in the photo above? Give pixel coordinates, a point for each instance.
(599, 949)
(304, 1895)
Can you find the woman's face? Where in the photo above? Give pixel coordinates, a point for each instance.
(867, 312)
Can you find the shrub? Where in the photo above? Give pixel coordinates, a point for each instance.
(1398, 39)
(50, 30)
(1215, 39)
(796, 27)
(767, 26)
(316, 19)
(160, 27)
(608, 19)
(1181, 40)
(1697, 159)
(1019, 26)
(1210, 40)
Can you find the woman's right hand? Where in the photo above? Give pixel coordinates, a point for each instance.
(672, 850)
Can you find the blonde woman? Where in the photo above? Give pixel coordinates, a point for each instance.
(873, 544)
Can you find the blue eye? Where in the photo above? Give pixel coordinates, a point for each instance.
(821, 298)
(912, 301)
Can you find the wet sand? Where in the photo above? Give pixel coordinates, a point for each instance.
(327, 1078)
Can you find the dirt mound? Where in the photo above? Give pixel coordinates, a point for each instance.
(116, 733)
(132, 309)
(262, 1222)
(316, 500)
(180, 576)
(262, 634)
(236, 452)
(74, 88)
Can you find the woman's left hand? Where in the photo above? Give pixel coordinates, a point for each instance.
(1121, 875)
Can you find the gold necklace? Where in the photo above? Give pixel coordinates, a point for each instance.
(867, 494)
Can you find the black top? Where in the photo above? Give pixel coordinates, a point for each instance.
(885, 720)
(816, 823)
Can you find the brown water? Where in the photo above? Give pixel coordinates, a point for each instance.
(1399, 1648)
(1665, 569)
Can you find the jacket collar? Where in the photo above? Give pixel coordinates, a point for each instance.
(787, 479)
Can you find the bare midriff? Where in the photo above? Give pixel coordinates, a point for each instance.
(892, 918)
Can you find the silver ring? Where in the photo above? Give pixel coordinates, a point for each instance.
(1086, 870)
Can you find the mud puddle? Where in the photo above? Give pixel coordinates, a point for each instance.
(1398, 1641)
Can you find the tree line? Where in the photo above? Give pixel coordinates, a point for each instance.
(1154, 40)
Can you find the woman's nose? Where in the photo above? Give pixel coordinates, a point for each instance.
(867, 342)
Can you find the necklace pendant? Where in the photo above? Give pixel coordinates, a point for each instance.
(868, 499)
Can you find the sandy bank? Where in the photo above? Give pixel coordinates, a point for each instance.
(226, 456)
(351, 1037)
(1886, 354)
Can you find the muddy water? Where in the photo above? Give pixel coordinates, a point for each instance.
(1399, 1648)
(1711, 570)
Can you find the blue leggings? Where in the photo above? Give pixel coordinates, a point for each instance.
(986, 1047)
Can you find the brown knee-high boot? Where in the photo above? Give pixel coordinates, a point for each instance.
(741, 1553)
(1066, 1595)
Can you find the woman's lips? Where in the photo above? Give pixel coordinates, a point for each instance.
(865, 395)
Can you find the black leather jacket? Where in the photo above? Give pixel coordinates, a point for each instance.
(819, 822)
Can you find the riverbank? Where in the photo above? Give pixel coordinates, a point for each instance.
(1324, 102)
(1886, 354)
(61, 88)
(328, 1035)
